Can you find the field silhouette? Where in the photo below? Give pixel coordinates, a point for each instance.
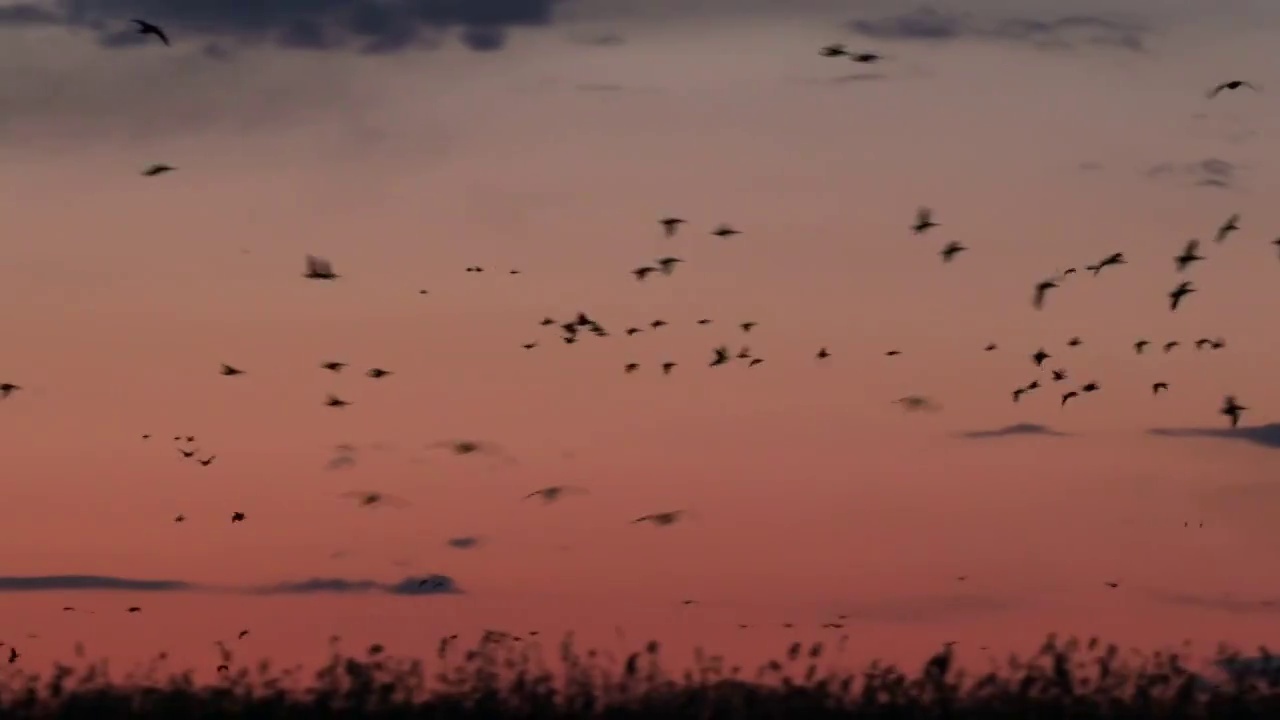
(504, 676)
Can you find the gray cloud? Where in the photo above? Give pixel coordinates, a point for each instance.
(36, 583)
(929, 24)
(416, 585)
(1223, 603)
(369, 26)
(1009, 430)
(1209, 172)
(1264, 435)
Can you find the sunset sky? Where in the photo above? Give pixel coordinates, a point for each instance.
(550, 137)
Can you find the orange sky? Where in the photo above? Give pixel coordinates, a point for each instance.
(814, 496)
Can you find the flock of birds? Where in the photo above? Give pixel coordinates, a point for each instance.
(576, 328)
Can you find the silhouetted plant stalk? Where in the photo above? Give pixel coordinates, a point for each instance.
(504, 676)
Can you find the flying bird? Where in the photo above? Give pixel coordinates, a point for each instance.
(1231, 225)
(335, 401)
(1067, 396)
(553, 493)
(372, 498)
(1188, 255)
(1232, 409)
(667, 367)
(237, 517)
(725, 231)
(333, 366)
(1039, 357)
(376, 373)
(1157, 387)
(6, 389)
(1090, 387)
(1112, 259)
(1037, 300)
(146, 28)
(661, 519)
(207, 461)
(670, 225)
(721, 356)
(319, 269)
(667, 264)
(866, 57)
(747, 326)
(1184, 289)
(158, 169)
(643, 272)
(822, 354)
(1230, 85)
(924, 221)
(1169, 346)
(833, 50)
(951, 250)
(229, 370)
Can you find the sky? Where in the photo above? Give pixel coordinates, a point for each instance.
(407, 141)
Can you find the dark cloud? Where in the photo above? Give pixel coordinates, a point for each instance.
(1264, 435)
(33, 583)
(1009, 430)
(1067, 31)
(370, 26)
(1222, 603)
(418, 585)
(1209, 172)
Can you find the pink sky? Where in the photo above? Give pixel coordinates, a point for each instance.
(814, 495)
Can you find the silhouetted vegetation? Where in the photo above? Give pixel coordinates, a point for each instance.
(509, 677)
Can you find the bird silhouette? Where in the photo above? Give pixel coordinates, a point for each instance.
(237, 517)
(990, 347)
(1089, 387)
(319, 269)
(1059, 375)
(924, 221)
(1232, 409)
(643, 272)
(1074, 342)
(1188, 255)
(667, 367)
(1175, 297)
(187, 453)
(662, 519)
(833, 50)
(376, 373)
(667, 264)
(866, 57)
(1230, 85)
(630, 368)
(1157, 387)
(158, 169)
(335, 401)
(725, 231)
(754, 362)
(146, 28)
(373, 498)
(747, 326)
(1169, 346)
(553, 493)
(1108, 261)
(1067, 396)
(7, 389)
(229, 370)
(207, 461)
(1039, 357)
(721, 356)
(822, 354)
(530, 345)
(1231, 225)
(334, 366)
(951, 249)
(1037, 300)
(670, 225)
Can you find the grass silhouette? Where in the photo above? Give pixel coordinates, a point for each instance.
(504, 677)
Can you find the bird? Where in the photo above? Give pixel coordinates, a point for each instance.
(924, 221)
(1112, 259)
(667, 264)
(1232, 409)
(1231, 225)
(1059, 375)
(667, 367)
(134, 609)
(1037, 300)
(1157, 387)
(661, 519)
(1188, 255)
(1112, 584)
(1039, 357)
(1090, 387)
(243, 634)
(1169, 346)
(1018, 393)
(158, 169)
(207, 461)
(237, 517)
(187, 453)
(951, 250)
(553, 493)
(833, 50)
(335, 401)
(180, 518)
(671, 224)
(13, 655)
(725, 231)
(721, 356)
(376, 373)
(1074, 342)
(657, 324)
(146, 28)
(530, 345)
(754, 362)
(822, 354)
(1141, 345)
(319, 269)
(630, 368)
(747, 326)
(229, 370)
(893, 353)
(333, 366)
(911, 403)
(990, 347)
(370, 498)
(1175, 296)
(865, 57)
(6, 389)
(1067, 396)
(1230, 85)
(643, 272)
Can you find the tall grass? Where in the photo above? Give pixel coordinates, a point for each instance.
(508, 677)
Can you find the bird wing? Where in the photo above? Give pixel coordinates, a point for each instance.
(160, 34)
(1214, 92)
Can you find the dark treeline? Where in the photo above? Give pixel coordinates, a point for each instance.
(504, 677)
